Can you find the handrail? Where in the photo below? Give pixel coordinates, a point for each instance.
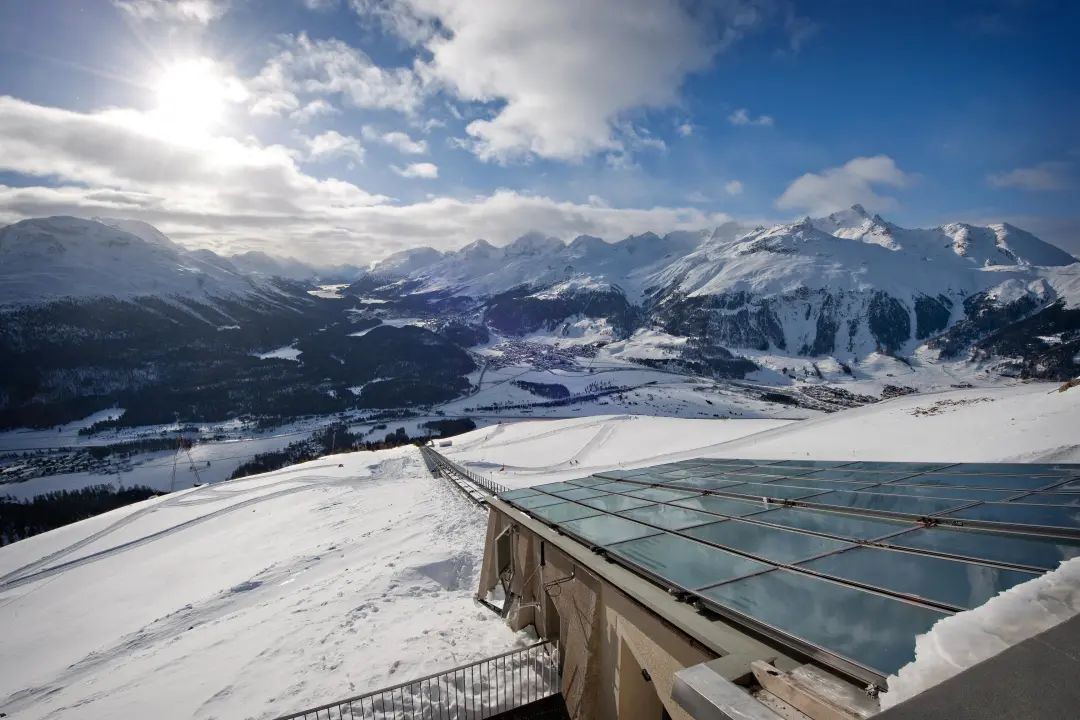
(475, 690)
(486, 484)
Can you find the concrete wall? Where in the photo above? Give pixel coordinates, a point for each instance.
(606, 639)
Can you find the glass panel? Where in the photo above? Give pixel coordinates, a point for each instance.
(823, 484)
(654, 479)
(887, 503)
(831, 523)
(590, 481)
(607, 529)
(580, 493)
(732, 462)
(704, 483)
(684, 562)
(872, 630)
(1013, 468)
(669, 517)
(1030, 550)
(845, 475)
(552, 488)
(661, 494)
(1049, 498)
(614, 503)
(1004, 482)
(773, 471)
(954, 582)
(618, 487)
(535, 501)
(1071, 486)
(962, 493)
(1020, 514)
(898, 467)
(812, 463)
(564, 511)
(722, 506)
(681, 473)
(770, 543)
(772, 490)
(522, 493)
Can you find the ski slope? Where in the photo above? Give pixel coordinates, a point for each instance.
(254, 597)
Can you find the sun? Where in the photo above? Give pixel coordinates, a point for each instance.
(192, 98)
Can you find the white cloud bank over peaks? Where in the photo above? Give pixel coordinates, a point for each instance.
(856, 181)
(235, 195)
(1044, 176)
(560, 74)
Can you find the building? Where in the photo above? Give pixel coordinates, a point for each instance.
(763, 589)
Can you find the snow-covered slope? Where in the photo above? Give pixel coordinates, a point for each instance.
(64, 257)
(258, 596)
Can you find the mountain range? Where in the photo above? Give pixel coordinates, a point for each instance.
(103, 311)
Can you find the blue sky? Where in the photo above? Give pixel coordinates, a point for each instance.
(346, 129)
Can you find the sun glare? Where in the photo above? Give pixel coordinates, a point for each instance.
(192, 98)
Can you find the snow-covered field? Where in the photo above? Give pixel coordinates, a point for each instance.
(254, 597)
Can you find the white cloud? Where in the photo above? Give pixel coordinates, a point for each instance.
(320, 5)
(201, 12)
(733, 187)
(561, 79)
(1044, 176)
(304, 68)
(232, 196)
(424, 170)
(396, 139)
(685, 129)
(331, 145)
(742, 117)
(312, 110)
(840, 187)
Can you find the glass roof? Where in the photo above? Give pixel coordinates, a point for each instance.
(849, 560)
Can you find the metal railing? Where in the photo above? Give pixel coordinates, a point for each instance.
(483, 482)
(475, 691)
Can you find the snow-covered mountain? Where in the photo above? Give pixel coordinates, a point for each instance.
(64, 257)
(844, 285)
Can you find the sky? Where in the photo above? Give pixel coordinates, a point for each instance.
(341, 131)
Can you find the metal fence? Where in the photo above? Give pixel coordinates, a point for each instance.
(475, 691)
(484, 483)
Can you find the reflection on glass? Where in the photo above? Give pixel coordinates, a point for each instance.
(580, 493)
(887, 503)
(535, 501)
(954, 582)
(1031, 550)
(899, 467)
(846, 475)
(842, 525)
(874, 631)
(513, 494)
(705, 483)
(812, 463)
(722, 506)
(564, 511)
(607, 529)
(1021, 514)
(1013, 468)
(770, 543)
(1051, 498)
(661, 494)
(590, 481)
(669, 517)
(1004, 482)
(962, 493)
(614, 503)
(555, 487)
(619, 487)
(772, 490)
(685, 563)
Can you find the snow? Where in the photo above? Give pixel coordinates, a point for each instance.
(960, 641)
(253, 597)
(48, 259)
(285, 352)
(281, 591)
